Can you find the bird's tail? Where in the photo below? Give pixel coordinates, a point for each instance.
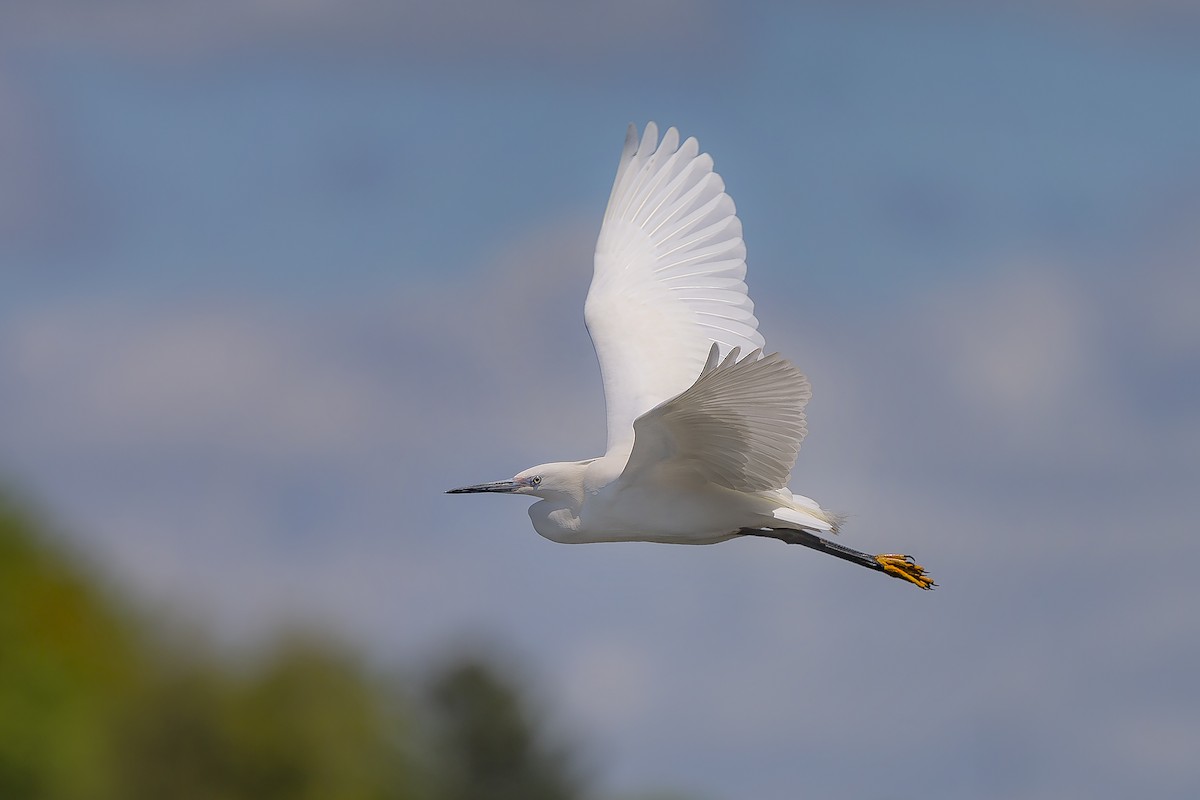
(795, 510)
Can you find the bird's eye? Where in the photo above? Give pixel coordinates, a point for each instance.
(535, 480)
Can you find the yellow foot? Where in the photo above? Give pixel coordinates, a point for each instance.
(900, 566)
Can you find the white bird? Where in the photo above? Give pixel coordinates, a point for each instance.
(703, 429)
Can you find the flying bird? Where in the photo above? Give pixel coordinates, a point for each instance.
(703, 428)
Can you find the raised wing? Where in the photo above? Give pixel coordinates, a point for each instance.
(739, 425)
(668, 281)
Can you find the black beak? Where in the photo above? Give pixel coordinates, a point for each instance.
(494, 486)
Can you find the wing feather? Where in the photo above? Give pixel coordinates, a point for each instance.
(669, 278)
(739, 425)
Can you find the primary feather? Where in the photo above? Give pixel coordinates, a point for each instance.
(668, 280)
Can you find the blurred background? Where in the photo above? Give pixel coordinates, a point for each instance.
(273, 275)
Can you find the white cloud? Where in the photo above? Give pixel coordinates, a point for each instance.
(1023, 357)
(190, 376)
(1035, 365)
(1017, 347)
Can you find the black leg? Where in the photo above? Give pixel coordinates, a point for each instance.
(898, 566)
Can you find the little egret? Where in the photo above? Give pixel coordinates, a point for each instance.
(703, 429)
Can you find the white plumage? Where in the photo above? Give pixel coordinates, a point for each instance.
(738, 426)
(703, 430)
(668, 280)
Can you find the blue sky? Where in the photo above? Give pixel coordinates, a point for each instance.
(276, 275)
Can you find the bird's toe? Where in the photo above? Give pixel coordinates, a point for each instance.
(903, 567)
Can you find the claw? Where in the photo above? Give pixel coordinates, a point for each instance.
(904, 567)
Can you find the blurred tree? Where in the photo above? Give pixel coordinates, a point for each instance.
(68, 661)
(173, 740)
(307, 724)
(313, 726)
(487, 745)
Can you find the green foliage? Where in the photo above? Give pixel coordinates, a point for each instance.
(306, 724)
(67, 664)
(487, 745)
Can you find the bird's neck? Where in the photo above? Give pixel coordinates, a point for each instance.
(555, 521)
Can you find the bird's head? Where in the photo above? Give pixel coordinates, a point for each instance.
(544, 480)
